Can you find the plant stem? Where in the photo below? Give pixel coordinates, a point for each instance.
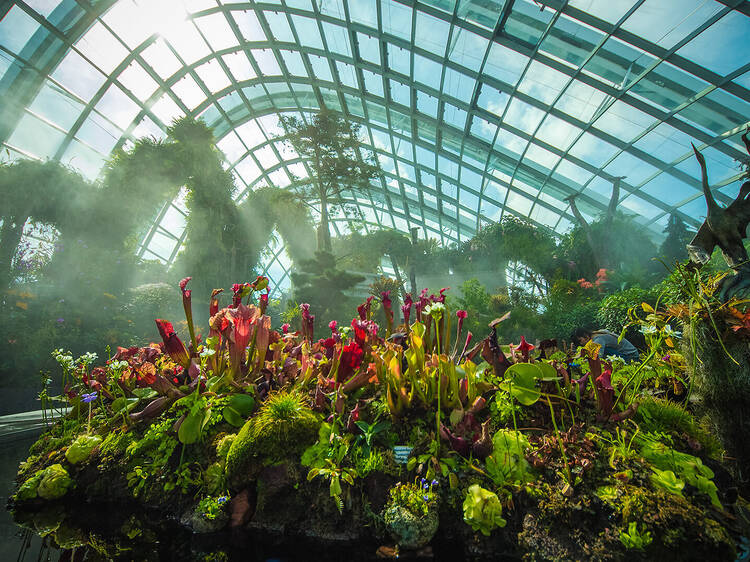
(440, 381)
(559, 442)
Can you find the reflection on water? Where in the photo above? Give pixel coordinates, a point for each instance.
(113, 532)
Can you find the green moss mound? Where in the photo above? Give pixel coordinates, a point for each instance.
(677, 526)
(283, 428)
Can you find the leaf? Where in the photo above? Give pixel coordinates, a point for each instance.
(144, 393)
(190, 428)
(335, 488)
(238, 408)
(647, 307)
(456, 416)
(522, 385)
(547, 372)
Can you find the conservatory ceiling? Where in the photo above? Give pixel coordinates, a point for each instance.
(475, 108)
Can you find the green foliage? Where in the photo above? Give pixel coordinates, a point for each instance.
(54, 483)
(212, 507)
(240, 406)
(338, 162)
(320, 283)
(507, 464)
(523, 378)
(29, 489)
(678, 237)
(567, 307)
(672, 469)
(668, 481)
(613, 309)
(283, 427)
(503, 409)
(366, 462)
(80, 450)
(416, 498)
(483, 510)
(659, 415)
(635, 539)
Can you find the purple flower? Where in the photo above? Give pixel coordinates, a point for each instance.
(60, 320)
(87, 398)
(426, 498)
(667, 357)
(434, 482)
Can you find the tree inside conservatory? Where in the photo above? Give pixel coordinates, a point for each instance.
(337, 163)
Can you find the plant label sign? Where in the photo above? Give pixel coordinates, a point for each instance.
(401, 453)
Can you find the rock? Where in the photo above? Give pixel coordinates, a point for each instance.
(408, 530)
(241, 509)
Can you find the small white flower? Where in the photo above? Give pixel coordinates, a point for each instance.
(648, 330)
(669, 332)
(207, 352)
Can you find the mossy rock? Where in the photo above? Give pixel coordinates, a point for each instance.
(679, 529)
(409, 530)
(723, 388)
(283, 428)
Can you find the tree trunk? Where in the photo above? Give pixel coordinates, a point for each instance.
(10, 237)
(413, 265)
(324, 233)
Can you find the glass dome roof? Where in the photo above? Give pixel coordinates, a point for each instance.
(474, 108)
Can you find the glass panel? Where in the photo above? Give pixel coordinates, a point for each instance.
(716, 47)
(239, 66)
(137, 80)
(369, 48)
(56, 105)
(610, 11)
(337, 39)
(505, 64)
(364, 12)
(467, 48)
(432, 33)
(427, 71)
(217, 32)
(161, 59)
(543, 83)
(677, 18)
(78, 76)
(36, 137)
(118, 107)
(279, 26)
(188, 91)
(16, 28)
(186, 40)
(249, 25)
(527, 22)
(396, 19)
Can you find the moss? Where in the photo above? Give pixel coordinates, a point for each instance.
(282, 429)
(679, 529)
(80, 450)
(659, 415)
(723, 387)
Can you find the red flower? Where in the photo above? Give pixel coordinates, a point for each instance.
(239, 290)
(605, 392)
(349, 361)
(263, 303)
(213, 306)
(188, 307)
(406, 308)
(525, 347)
(308, 321)
(173, 346)
(333, 325)
(385, 298)
(243, 318)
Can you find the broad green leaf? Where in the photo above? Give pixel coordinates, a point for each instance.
(522, 383)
